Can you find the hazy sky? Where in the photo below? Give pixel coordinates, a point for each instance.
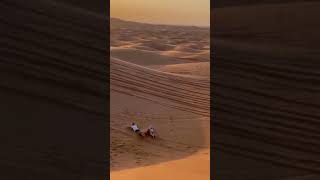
(180, 12)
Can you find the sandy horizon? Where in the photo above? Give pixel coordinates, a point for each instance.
(163, 12)
(114, 18)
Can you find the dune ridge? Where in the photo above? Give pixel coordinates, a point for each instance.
(192, 95)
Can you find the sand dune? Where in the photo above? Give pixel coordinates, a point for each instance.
(192, 94)
(198, 164)
(143, 57)
(242, 3)
(178, 106)
(146, 89)
(270, 24)
(194, 69)
(190, 43)
(265, 92)
(54, 104)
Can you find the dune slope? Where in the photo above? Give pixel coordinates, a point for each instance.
(174, 104)
(149, 86)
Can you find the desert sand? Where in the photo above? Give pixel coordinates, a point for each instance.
(265, 84)
(160, 76)
(193, 167)
(53, 99)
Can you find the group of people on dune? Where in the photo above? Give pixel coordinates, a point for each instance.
(150, 131)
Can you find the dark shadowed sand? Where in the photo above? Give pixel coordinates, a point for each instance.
(53, 90)
(266, 100)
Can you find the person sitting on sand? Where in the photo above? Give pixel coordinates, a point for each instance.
(135, 128)
(151, 131)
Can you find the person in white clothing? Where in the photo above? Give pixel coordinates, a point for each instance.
(135, 128)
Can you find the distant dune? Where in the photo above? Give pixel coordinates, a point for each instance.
(143, 57)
